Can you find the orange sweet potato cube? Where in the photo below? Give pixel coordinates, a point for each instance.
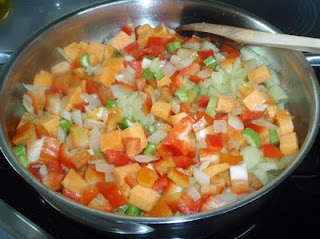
(289, 143)
(144, 198)
(25, 134)
(92, 176)
(172, 200)
(100, 203)
(43, 78)
(147, 176)
(97, 49)
(111, 141)
(160, 210)
(136, 131)
(79, 136)
(225, 104)
(121, 40)
(259, 75)
(133, 146)
(161, 110)
(284, 121)
(254, 100)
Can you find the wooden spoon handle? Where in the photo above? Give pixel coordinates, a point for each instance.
(248, 36)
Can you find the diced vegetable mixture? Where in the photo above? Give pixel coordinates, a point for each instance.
(153, 124)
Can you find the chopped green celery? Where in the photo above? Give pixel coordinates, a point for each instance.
(133, 211)
(252, 137)
(126, 122)
(111, 103)
(278, 94)
(65, 125)
(84, 60)
(182, 95)
(210, 61)
(211, 107)
(150, 148)
(274, 137)
(130, 210)
(274, 80)
(197, 89)
(172, 46)
(148, 74)
(251, 156)
(159, 75)
(217, 68)
(151, 128)
(150, 57)
(188, 84)
(116, 54)
(192, 96)
(123, 208)
(20, 152)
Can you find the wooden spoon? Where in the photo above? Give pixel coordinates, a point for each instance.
(247, 36)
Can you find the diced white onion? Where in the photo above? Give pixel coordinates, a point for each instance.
(120, 91)
(104, 168)
(66, 114)
(61, 135)
(43, 171)
(204, 165)
(145, 158)
(128, 58)
(239, 172)
(108, 177)
(184, 53)
(91, 123)
(192, 45)
(34, 150)
(263, 122)
(168, 69)
(204, 74)
(32, 87)
(92, 99)
(194, 193)
(220, 126)
(227, 197)
(261, 107)
(94, 139)
(202, 178)
(27, 103)
(145, 63)
(235, 122)
(76, 117)
(175, 105)
(61, 68)
(157, 136)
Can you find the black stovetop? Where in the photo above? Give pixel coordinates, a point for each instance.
(293, 213)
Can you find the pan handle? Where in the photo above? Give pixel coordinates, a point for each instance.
(4, 57)
(313, 59)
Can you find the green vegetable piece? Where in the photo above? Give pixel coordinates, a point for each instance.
(210, 61)
(84, 60)
(278, 94)
(148, 74)
(182, 95)
(197, 89)
(211, 107)
(116, 54)
(150, 148)
(126, 122)
(133, 211)
(111, 103)
(150, 57)
(217, 68)
(192, 96)
(20, 152)
(65, 125)
(172, 46)
(252, 137)
(274, 137)
(123, 208)
(159, 75)
(151, 128)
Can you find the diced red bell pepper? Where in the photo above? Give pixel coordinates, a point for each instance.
(50, 150)
(136, 65)
(183, 129)
(146, 106)
(210, 203)
(132, 182)
(254, 181)
(53, 180)
(185, 108)
(88, 194)
(203, 115)
(190, 70)
(154, 42)
(177, 146)
(127, 30)
(34, 173)
(112, 193)
(71, 195)
(65, 157)
(187, 206)
(80, 106)
(257, 128)
(205, 54)
(231, 58)
(195, 79)
(230, 50)
(203, 102)
(247, 115)
(161, 183)
(214, 141)
(240, 186)
(183, 161)
(118, 158)
(132, 49)
(271, 151)
(103, 93)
